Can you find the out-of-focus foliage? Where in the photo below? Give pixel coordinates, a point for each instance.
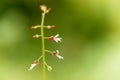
(91, 40)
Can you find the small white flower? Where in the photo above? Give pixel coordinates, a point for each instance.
(56, 53)
(33, 65)
(55, 38)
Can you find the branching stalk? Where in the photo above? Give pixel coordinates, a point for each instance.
(43, 47)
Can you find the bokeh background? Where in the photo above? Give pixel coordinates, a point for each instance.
(90, 45)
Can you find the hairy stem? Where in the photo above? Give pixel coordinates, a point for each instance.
(43, 47)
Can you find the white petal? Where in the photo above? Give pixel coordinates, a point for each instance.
(57, 51)
(32, 66)
(58, 39)
(60, 57)
(56, 35)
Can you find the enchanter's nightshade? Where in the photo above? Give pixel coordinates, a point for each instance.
(55, 38)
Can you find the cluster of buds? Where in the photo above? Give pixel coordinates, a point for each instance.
(44, 9)
(55, 38)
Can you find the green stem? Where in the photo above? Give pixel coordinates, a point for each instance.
(46, 37)
(43, 47)
(40, 58)
(49, 51)
(46, 64)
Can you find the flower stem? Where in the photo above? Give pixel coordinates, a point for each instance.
(40, 58)
(46, 37)
(43, 47)
(49, 51)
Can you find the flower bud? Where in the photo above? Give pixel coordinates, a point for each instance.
(43, 8)
(35, 27)
(36, 36)
(48, 10)
(51, 27)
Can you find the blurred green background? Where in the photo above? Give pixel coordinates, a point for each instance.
(90, 46)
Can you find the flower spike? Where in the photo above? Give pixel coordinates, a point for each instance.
(55, 38)
(36, 62)
(56, 53)
(44, 9)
